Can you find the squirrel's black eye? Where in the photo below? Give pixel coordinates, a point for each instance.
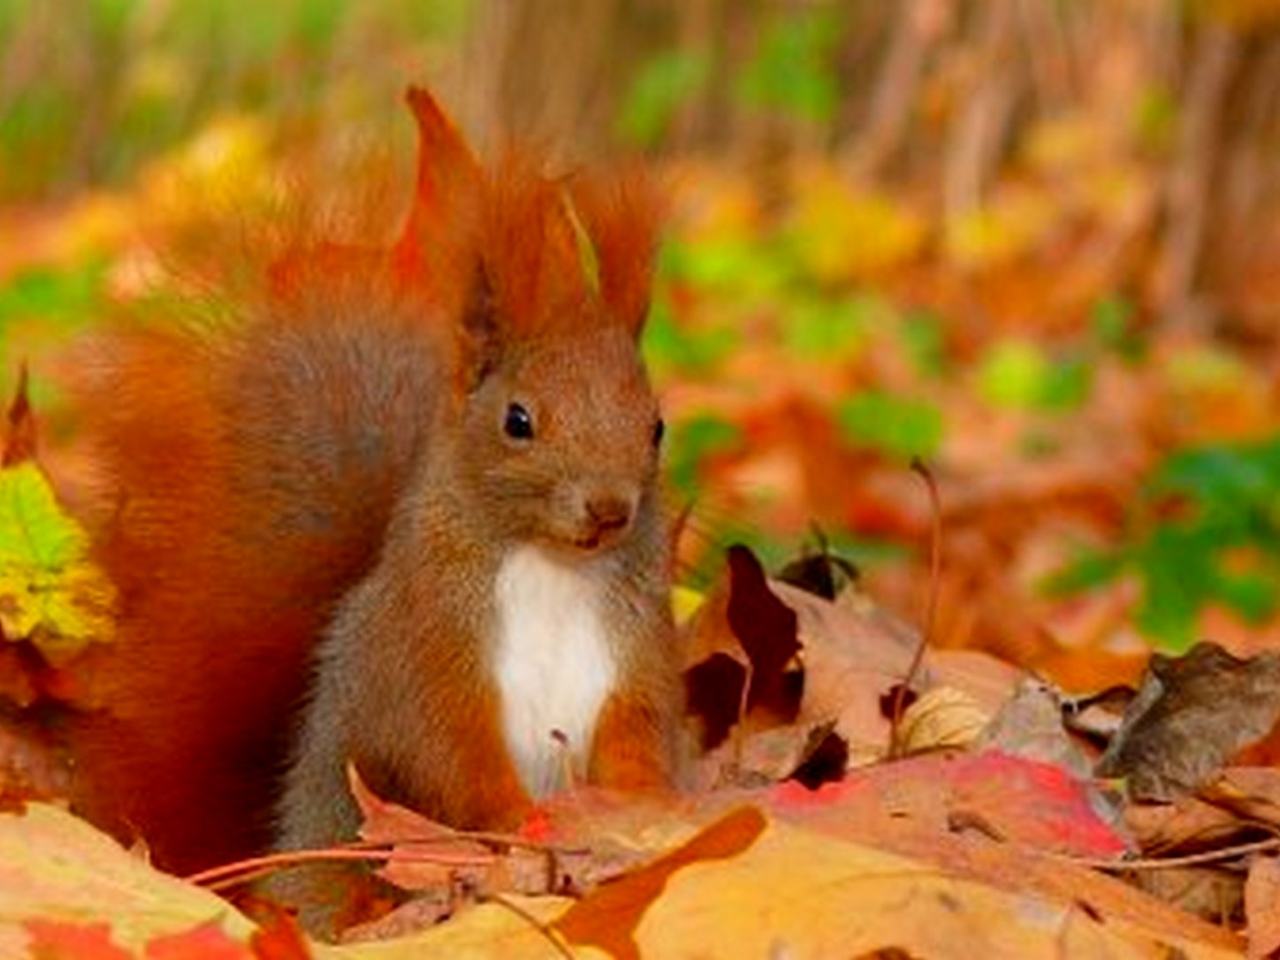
(518, 425)
(659, 429)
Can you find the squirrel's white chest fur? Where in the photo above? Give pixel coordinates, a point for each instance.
(553, 663)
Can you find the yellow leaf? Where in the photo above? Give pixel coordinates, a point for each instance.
(226, 166)
(685, 602)
(799, 893)
(1007, 228)
(54, 866)
(843, 232)
(50, 592)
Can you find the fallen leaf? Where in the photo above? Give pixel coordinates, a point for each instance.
(66, 940)
(57, 868)
(830, 897)
(607, 918)
(855, 651)
(1262, 907)
(1210, 892)
(429, 857)
(279, 938)
(50, 592)
(1252, 794)
(939, 719)
(1033, 804)
(208, 941)
(1187, 826)
(766, 628)
(1190, 715)
(1030, 725)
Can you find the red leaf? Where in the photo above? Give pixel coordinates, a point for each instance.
(57, 940)
(208, 941)
(766, 628)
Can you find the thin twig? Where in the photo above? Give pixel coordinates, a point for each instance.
(231, 874)
(552, 937)
(1169, 863)
(739, 737)
(931, 609)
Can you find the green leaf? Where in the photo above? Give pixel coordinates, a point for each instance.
(662, 86)
(895, 425)
(68, 297)
(1252, 595)
(1228, 475)
(694, 440)
(924, 340)
(1207, 532)
(793, 69)
(1112, 323)
(1012, 374)
(1177, 575)
(827, 330)
(1088, 571)
(50, 592)
(1017, 374)
(737, 267)
(667, 343)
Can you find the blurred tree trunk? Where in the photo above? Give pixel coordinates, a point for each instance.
(1192, 185)
(920, 25)
(982, 126)
(555, 73)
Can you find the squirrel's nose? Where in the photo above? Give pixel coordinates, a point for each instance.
(608, 512)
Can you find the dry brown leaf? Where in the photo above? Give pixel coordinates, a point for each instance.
(430, 858)
(1030, 725)
(1262, 907)
(1190, 715)
(1251, 793)
(1189, 825)
(942, 718)
(854, 652)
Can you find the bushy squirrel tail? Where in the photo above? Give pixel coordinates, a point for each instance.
(247, 475)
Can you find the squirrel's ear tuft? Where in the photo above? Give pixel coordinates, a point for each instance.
(622, 213)
(477, 336)
(440, 240)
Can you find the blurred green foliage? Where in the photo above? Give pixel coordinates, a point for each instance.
(46, 305)
(91, 89)
(661, 87)
(68, 296)
(1021, 374)
(693, 441)
(1206, 530)
(793, 70)
(899, 426)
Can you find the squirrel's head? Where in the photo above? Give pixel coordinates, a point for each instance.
(545, 283)
(561, 439)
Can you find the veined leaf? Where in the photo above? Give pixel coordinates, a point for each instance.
(50, 592)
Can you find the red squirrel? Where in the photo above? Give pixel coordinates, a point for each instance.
(404, 514)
